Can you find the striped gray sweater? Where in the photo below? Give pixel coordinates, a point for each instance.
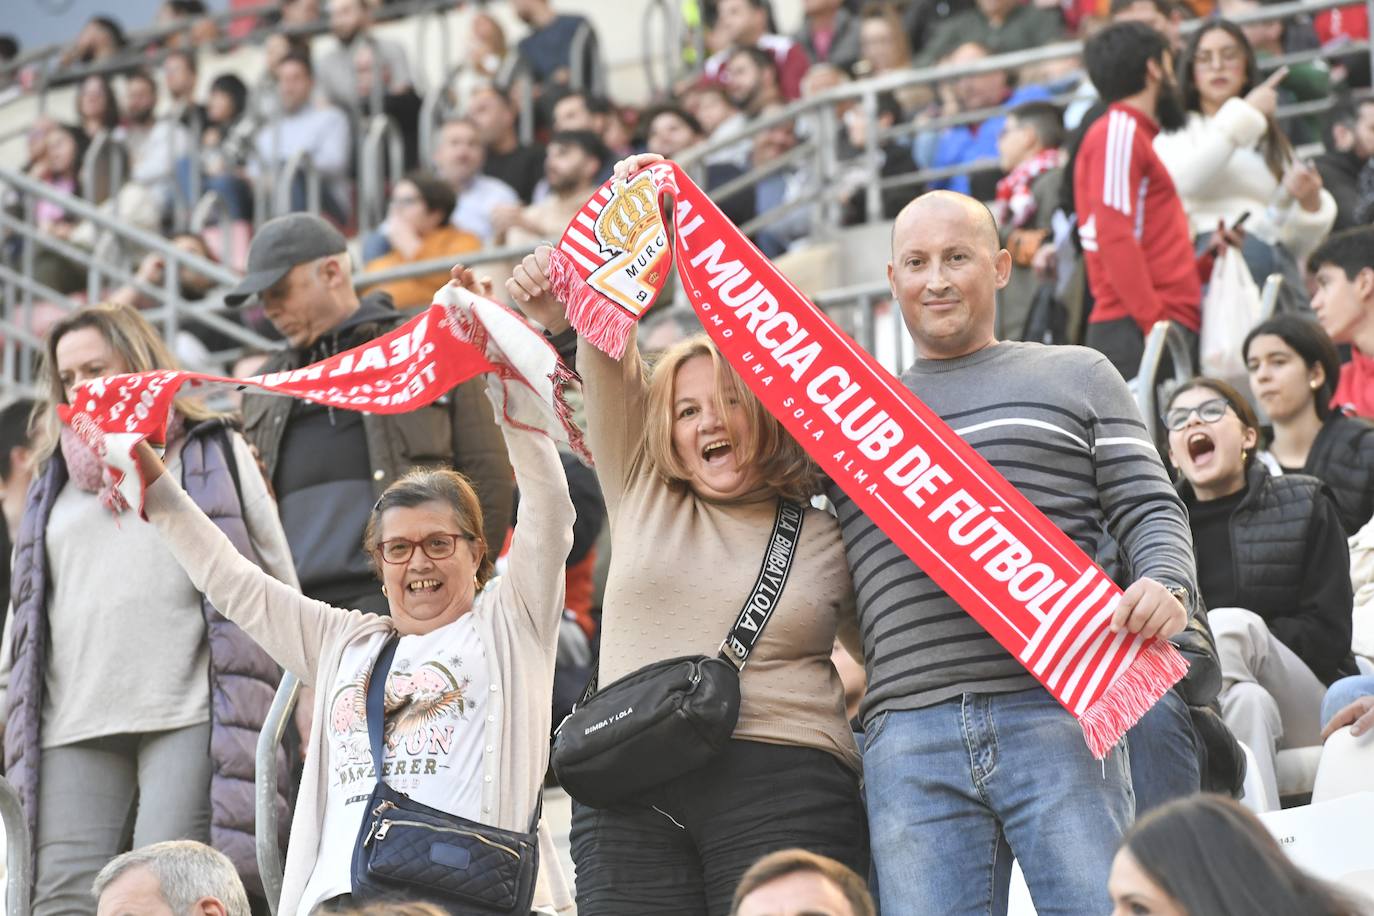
(1060, 424)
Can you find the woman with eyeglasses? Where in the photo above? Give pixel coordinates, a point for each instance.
(418, 229)
(1293, 370)
(1233, 158)
(467, 698)
(1273, 569)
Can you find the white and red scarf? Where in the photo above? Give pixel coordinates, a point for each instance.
(1014, 205)
(460, 336)
(1021, 578)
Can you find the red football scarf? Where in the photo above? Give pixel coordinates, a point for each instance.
(1014, 204)
(460, 336)
(983, 542)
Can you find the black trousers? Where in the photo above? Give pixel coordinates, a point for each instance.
(1123, 343)
(685, 848)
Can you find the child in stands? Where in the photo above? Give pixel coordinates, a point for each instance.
(1273, 568)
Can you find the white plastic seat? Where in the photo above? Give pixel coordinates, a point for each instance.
(1252, 792)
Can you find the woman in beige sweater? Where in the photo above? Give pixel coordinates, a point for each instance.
(692, 468)
(467, 698)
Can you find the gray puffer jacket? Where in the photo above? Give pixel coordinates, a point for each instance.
(243, 678)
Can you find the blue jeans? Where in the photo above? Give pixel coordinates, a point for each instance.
(955, 790)
(1344, 692)
(1164, 763)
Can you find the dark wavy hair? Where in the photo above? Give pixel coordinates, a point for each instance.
(1277, 150)
(1307, 339)
(1214, 857)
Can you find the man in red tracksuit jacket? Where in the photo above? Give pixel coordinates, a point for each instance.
(1135, 236)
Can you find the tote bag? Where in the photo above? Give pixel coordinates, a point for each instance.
(1230, 308)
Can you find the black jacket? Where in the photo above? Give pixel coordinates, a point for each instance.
(1291, 566)
(1341, 176)
(459, 430)
(1342, 457)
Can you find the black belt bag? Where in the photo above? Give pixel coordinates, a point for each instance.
(670, 717)
(409, 850)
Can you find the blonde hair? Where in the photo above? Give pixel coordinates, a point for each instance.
(782, 463)
(130, 336)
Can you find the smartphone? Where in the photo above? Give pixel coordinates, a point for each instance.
(1240, 221)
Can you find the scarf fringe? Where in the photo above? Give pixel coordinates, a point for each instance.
(562, 377)
(1157, 668)
(604, 324)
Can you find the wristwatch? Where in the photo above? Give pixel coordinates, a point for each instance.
(1181, 593)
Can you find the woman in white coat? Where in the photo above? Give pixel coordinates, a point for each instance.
(1233, 158)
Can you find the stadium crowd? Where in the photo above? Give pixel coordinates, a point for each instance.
(889, 754)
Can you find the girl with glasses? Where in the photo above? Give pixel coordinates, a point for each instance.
(1273, 569)
(418, 228)
(1233, 158)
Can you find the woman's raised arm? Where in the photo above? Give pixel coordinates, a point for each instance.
(292, 628)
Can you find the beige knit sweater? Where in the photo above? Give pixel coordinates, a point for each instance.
(517, 618)
(682, 566)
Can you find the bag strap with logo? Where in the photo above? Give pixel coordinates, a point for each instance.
(763, 597)
(767, 591)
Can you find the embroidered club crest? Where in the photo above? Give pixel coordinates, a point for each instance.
(629, 232)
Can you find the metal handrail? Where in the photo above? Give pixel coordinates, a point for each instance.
(435, 265)
(863, 297)
(435, 107)
(21, 290)
(265, 788)
(211, 203)
(891, 82)
(104, 144)
(141, 238)
(594, 79)
(376, 95)
(378, 169)
(421, 40)
(143, 41)
(18, 851)
(1164, 337)
(672, 44)
(104, 254)
(516, 69)
(302, 164)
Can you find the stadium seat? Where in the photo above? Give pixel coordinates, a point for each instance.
(1252, 792)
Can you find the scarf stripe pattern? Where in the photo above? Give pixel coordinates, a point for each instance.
(458, 337)
(981, 540)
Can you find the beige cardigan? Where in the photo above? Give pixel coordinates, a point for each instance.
(517, 617)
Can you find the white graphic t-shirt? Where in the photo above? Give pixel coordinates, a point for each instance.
(436, 700)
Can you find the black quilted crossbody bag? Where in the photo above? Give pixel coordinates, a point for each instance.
(672, 716)
(409, 850)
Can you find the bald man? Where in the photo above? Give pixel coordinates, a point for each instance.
(972, 759)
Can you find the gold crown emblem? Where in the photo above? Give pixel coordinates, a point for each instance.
(630, 212)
